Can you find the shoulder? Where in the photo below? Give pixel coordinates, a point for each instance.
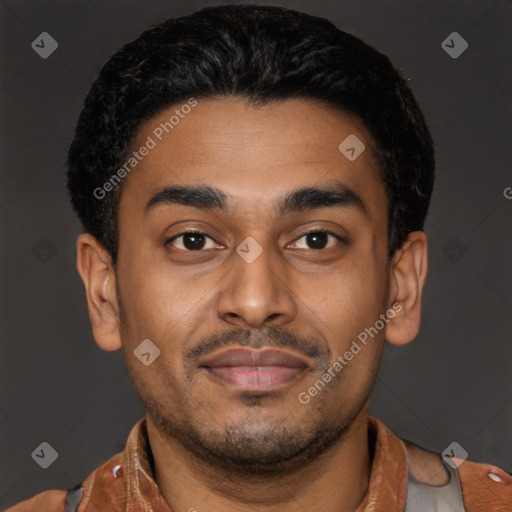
(49, 501)
(100, 487)
(70, 500)
(484, 486)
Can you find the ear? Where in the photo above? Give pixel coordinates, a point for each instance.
(94, 265)
(408, 270)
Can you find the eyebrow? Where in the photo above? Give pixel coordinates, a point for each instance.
(202, 196)
(334, 194)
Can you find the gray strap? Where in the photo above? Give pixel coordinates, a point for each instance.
(73, 499)
(422, 497)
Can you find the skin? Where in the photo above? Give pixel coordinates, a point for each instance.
(279, 454)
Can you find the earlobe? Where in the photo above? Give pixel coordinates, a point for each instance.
(94, 265)
(408, 270)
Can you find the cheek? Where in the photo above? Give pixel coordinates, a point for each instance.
(354, 297)
(152, 299)
(355, 301)
(166, 308)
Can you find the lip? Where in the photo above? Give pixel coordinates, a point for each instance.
(254, 370)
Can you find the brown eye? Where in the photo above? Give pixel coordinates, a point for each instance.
(191, 241)
(317, 240)
(194, 241)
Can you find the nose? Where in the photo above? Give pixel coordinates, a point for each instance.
(256, 293)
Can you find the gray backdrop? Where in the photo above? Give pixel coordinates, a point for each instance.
(452, 384)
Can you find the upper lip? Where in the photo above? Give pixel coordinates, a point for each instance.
(251, 357)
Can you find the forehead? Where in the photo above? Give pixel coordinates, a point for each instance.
(254, 153)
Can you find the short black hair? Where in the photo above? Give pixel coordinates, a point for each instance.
(261, 54)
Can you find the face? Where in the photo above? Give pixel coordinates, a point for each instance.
(251, 284)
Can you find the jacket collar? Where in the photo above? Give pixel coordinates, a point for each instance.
(127, 482)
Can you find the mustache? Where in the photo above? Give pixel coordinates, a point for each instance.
(266, 337)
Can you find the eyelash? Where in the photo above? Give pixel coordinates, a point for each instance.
(192, 232)
(326, 231)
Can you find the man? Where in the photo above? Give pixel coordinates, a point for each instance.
(253, 184)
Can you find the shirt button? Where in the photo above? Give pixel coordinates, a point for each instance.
(117, 471)
(495, 477)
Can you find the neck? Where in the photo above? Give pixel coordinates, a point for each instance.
(340, 475)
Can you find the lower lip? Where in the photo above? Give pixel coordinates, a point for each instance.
(255, 378)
